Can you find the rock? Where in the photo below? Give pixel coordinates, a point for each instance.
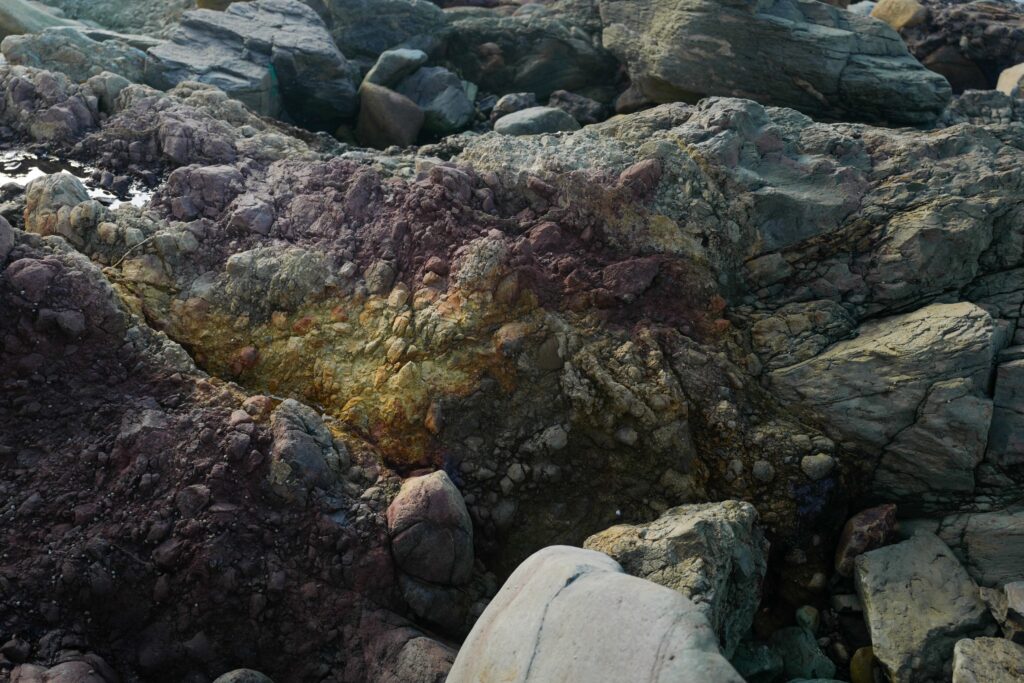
(387, 118)
(801, 656)
(862, 666)
(1005, 446)
(6, 240)
(513, 102)
(571, 615)
(431, 532)
(900, 14)
(818, 466)
(107, 87)
(46, 106)
(160, 16)
(394, 65)
(243, 676)
(990, 544)
(894, 583)
(18, 17)
(866, 530)
(1011, 80)
(875, 383)
(715, 554)
(534, 121)
(809, 618)
(363, 29)
(757, 662)
(48, 204)
(442, 97)
(849, 67)
(70, 51)
(583, 109)
(304, 455)
(422, 660)
(987, 660)
(273, 55)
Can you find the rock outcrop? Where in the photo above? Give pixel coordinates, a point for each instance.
(534, 628)
(70, 51)
(823, 61)
(715, 554)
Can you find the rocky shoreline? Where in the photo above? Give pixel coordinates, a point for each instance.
(561, 341)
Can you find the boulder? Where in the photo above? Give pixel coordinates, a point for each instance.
(866, 530)
(1011, 80)
(303, 453)
(824, 62)
(715, 554)
(387, 118)
(243, 676)
(512, 102)
(275, 56)
(363, 29)
(572, 615)
(990, 544)
(394, 65)
(534, 121)
(583, 109)
(49, 201)
(442, 97)
(6, 240)
(900, 14)
(431, 531)
(70, 51)
(988, 660)
(918, 602)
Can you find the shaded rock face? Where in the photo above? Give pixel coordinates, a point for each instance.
(183, 519)
(714, 554)
(530, 631)
(839, 65)
(969, 43)
(273, 55)
(894, 583)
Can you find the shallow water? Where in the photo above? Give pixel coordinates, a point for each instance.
(21, 168)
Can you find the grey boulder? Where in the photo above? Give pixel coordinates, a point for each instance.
(822, 61)
(573, 616)
(534, 121)
(988, 660)
(918, 602)
(990, 544)
(394, 65)
(715, 554)
(275, 56)
(442, 97)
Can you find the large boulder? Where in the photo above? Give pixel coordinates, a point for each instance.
(988, 660)
(431, 531)
(68, 50)
(363, 29)
(715, 554)
(442, 96)
(273, 55)
(823, 61)
(918, 602)
(572, 615)
(386, 117)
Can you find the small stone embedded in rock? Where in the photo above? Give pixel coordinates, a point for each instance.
(818, 466)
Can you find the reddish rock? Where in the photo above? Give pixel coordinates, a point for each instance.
(866, 530)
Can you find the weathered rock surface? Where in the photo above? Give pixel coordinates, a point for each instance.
(275, 56)
(715, 554)
(1010, 80)
(918, 602)
(990, 544)
(363, 29)
(534, 628)
(70, 51)
(987, 660)
(823, 61)
(44, 106)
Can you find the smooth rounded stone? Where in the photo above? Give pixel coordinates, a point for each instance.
(1011, 81)
(850, 67)
(387, 118)
(363, 29)
(394, 65)
(866, 530)
(571, 615)
(900, 14)
(431, 531)
(818, 466)
(275, 56)
(918, 602)
(70, 51)
(988, 660)
(243, 676)
(513, 102)
(442, 97)
(48, 204)
(534, 121)
(715, 554)
(6, 240)
(801, 655)
(862, 665)
(583, 109)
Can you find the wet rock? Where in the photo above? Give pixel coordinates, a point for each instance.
(534, 121)
(273, 55)
(801, 656)
(442, 97)
(715, 554)
(583, 109)
(918, 602)
(544, 623)
(431, 531)
(243, 676)
(987, 660)
(850, 67)
(70, 51)
(866, 530)
(394, 65)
